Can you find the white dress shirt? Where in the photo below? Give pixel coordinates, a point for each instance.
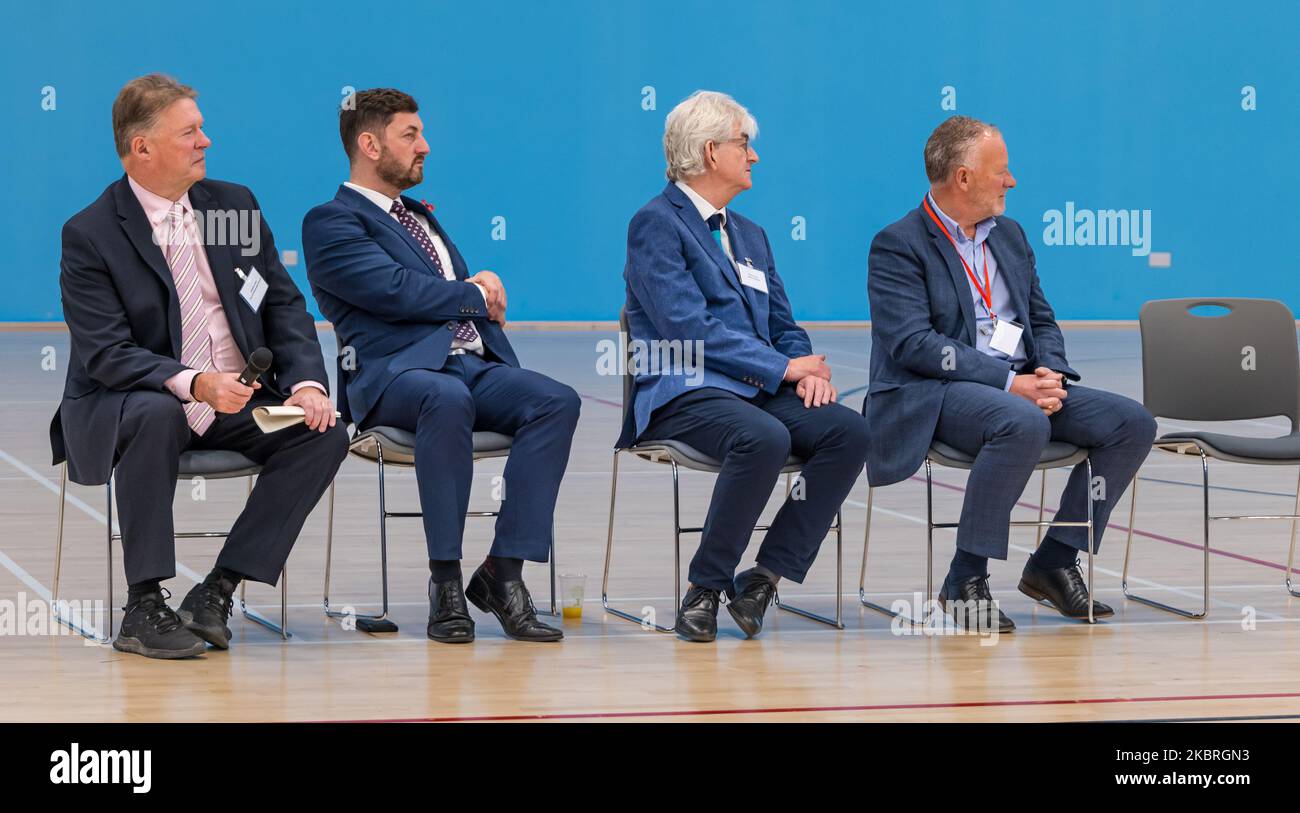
(707, 210)
(444, 257)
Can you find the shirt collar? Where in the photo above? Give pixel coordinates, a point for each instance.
(706, 209)
(378, 198)
(982, 228)
(156, 206)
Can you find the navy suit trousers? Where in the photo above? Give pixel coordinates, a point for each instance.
(298, 464)
(1006, 434)
(753, 438)
(444, 408)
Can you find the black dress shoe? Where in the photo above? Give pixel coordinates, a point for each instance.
(449, 620)
(1064, 587)
(750, 596)
(697, 620)
(971, 605)
(510, 602)
(207, 608)
(153, 629)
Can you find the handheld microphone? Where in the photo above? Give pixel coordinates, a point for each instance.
(258, 363)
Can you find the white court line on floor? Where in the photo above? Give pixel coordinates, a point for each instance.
(98, 516)
(801, 595)
(631, 633)
(44, 592)
(1097, 567)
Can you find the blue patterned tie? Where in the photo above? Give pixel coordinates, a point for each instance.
(715, 226)
(464, 330)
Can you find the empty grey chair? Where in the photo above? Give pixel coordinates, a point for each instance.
(390, 446)
(682, 456)
(1240, 365)
(210, 464)
(1055, 455)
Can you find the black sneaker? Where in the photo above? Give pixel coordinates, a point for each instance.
(206, 610)
(153, 629)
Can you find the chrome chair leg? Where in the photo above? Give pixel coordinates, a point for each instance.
(252, 615)
(381, 618)
(1091, 537)
(838, 621)
(609, 549)
(1205, 549)
(80, 626)
(1290, 557)
(1042, 502)
(929, 540)
(862, 574)
(677, 542)
(329, 548)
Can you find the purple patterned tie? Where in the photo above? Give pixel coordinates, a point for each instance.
(196, 345)
(465, 331)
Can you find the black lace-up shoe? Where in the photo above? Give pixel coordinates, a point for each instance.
(511, 603)
(1064, 588)
(449, 620)
(750, 597)
(207, 608)
(971, 605)
(153, 629)
(697, 620)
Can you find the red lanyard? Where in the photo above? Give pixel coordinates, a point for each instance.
(986, 290)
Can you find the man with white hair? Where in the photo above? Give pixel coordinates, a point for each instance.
(700, 274)
(965, 350)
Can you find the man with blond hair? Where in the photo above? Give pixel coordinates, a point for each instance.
(163, 310)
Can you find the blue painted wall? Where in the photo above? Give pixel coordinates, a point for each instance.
(534, 112)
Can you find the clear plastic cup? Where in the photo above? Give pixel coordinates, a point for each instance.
(572, 587)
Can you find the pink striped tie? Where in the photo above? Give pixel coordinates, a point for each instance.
(196, 346)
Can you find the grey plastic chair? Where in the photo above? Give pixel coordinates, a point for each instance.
(390, 446)
(1055, 455)
(1240, 365)
(210, 464)
(682, 456)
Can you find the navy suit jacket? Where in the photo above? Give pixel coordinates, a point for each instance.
(681, 286)
(387, 301)
(923, 334)
(120, 304)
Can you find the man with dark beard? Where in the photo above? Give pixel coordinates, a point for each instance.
(432, 359)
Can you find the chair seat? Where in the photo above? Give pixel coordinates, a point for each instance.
(216, 464)
(688, 457)
(399, 445)
(1055, 455)
(1279, 451)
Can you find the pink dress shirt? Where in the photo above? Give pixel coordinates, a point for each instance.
(225, 353)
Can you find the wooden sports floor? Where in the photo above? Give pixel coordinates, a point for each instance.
(1242, 662)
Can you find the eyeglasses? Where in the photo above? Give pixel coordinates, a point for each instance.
(743, 141)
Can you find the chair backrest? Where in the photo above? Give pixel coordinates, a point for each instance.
(629, 380)
(341, 391)
(1239, 365)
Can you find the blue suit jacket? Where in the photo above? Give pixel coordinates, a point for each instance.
(119, 300)
(923, 334)
(681, 286)
(387, 302)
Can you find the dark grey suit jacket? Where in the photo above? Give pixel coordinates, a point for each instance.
(923, 334)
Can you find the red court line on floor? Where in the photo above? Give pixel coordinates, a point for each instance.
(1122, 528)
(1137, 531)
(1074, 701)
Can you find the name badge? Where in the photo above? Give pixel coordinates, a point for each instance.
(752, 277)
(1006, 336)
(253, 289)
